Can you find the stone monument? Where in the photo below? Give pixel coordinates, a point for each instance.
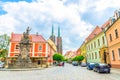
(23, 60)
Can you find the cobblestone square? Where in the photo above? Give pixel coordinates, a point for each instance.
(68, 72)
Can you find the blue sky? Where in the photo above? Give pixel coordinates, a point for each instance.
(77, 18)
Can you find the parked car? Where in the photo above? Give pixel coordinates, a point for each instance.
(61, 64)
(1, 64)
(90, 66)
(101, 67)
(75, 63)
(83, 64)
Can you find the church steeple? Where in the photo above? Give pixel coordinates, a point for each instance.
(57, 40)
(52, 37)
(58, 31)
(52, 29)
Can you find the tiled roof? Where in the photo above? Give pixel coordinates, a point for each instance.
(35, 38)
(95, 32)
(67, 53)
(105, 24)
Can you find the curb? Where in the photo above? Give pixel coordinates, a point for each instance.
(25, 69)
(30, 69)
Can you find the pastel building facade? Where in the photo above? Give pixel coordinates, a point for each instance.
(113, 39)
(96, 47)
(83, 51)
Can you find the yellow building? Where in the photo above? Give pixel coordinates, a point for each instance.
(51, 51)
(83, 51)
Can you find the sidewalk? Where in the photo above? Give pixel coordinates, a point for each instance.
(115, 70)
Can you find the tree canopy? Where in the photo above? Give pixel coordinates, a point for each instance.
(78, 58)
(58, 57)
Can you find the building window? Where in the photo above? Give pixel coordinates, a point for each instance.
(40, 47)
(92, 56)
(88, 48)
(98, 42)
(95, 55)
(91, 46)
(94, 44)
(89, 56)
(116, 33)
(113, 55)
(110, 36)
(103, 40)
(17, 47)
(119, 53)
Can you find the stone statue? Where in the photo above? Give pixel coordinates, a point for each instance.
(25, 44)
(23, 60)
(28, 30)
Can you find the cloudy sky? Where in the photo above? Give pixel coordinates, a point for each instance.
(76, 18)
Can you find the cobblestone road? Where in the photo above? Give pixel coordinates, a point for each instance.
(68, 72)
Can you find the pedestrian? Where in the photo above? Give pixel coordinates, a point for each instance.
(63, 63)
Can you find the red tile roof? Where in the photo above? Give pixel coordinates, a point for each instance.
(67, 53)
(105, 24)
(35, 38)
(95, 32)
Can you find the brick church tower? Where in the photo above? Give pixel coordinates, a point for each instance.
(57, 41)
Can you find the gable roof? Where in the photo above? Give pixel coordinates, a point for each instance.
(105, 24)
(34, 38)
(95, 32)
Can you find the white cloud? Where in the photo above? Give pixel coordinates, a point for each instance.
(43, 12)
(7, 24)
(102, 5)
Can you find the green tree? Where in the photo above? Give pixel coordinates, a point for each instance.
(3, 53)
(78, 58)
(58, 57)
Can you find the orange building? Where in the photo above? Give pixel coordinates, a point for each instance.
(38, 50)
(113, 39)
